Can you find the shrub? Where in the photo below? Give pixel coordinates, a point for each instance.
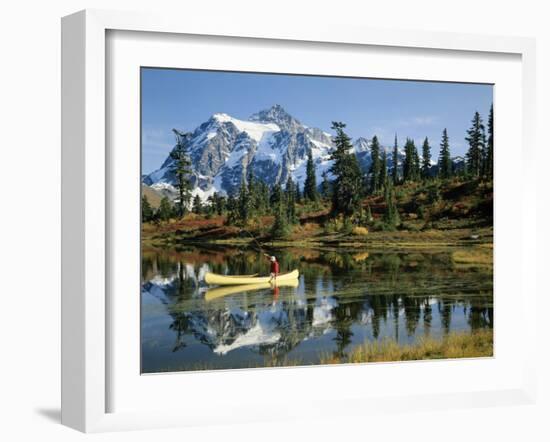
(347, 226)
(433, 194)
(360, 231)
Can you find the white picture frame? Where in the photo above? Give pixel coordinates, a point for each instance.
(86, 315)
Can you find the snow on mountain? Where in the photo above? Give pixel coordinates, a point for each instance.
(271, 144)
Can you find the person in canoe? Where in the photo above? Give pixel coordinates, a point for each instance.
(274, 267)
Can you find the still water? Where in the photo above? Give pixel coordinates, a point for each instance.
(342, 299)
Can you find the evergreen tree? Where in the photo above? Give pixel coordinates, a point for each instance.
(445, 165)
(218, 203)
(416, 167)
(197, 205)
(244, 208)
(395, 162)
(383, 169)
(488, 157)
(426, 159)
(280, 227)
(391, 214)
(253, 192)
(325, 186)
(181, 167)
(290, 200)
(232, 210)
(165, 209)
(476, 141)
(346, 193)
(376, 165)
(276, 197)
(210, 208)
(264, 198)
(146, 210)
(298, 196)
(310, 184)
(411, 163)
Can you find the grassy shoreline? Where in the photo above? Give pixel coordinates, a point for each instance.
(172, 236)
(456, 345)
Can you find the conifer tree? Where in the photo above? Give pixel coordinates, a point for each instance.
(376, 166)
(298, 197)
(426, 159)
(445, 165)
(264, 198)
(146, 210)
(411, 163)
(181, 167)
(280, 228)
(211, 206)
(383, 169)
(218, 203)
(391, 214)
(395, 162)
(325, 186)
(488, 157)
(310, 184)
(243, 204)
(253, 189)
(416, 164)
(165, 209)
(290, 200)
(346, 193)
(197, 205)
(232, 210)
(476, 141)
(276, 197)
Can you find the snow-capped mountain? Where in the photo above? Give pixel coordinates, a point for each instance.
(272, 144)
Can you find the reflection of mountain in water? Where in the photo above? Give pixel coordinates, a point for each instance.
(272, 324)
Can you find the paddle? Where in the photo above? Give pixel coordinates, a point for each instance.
(256, 241)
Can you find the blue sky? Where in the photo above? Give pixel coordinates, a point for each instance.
(184, 99)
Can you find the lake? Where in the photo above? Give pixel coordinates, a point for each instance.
(343, 298)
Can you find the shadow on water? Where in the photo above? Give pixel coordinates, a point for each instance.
(342, 300)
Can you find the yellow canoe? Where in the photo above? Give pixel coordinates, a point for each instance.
(215, 279)
(220, 292)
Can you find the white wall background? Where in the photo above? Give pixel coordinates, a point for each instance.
(30, 215)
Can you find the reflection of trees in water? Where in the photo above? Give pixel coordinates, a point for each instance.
(180, 325)
(427, 317)
(481, 316)
(385, 288)
(157, 265)
(445, 311)
(412, 313)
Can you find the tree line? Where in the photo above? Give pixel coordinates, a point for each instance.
(344, 185)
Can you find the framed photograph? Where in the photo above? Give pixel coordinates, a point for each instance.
(254, 211)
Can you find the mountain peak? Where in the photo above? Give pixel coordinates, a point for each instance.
(222, 117)
(278, 115)
(271, 144)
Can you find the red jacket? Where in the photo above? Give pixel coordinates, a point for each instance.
(275, 267)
